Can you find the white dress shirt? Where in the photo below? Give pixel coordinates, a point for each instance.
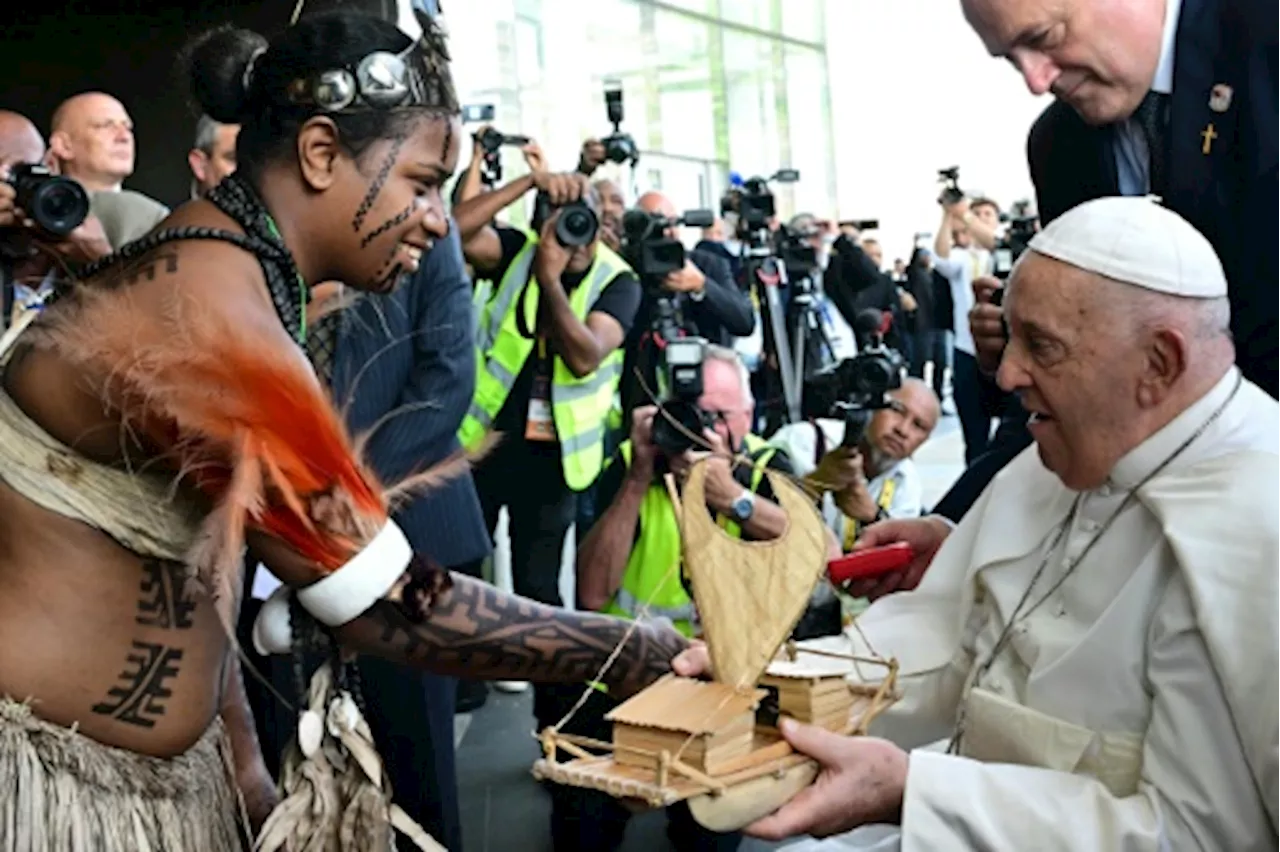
(1135, 708)
(1133, 156)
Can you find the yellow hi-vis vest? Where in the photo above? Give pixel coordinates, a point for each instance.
(579, 406)
(648, 578)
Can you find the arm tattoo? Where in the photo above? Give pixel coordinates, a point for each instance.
(141, 689)
(139, 697)
(165, 263)
(476, 630)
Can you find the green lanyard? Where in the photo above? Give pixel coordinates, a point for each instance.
(302, 285)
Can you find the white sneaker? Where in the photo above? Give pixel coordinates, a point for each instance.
(512, 686)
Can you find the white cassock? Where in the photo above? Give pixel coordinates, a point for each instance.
(1136, 708)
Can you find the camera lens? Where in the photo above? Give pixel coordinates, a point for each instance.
(577, 225)
(58, 205)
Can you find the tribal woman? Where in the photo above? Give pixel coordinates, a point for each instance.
(161, 416)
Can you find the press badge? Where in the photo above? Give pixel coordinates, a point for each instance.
(540, 425)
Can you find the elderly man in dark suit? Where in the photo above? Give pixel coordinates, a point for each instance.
(402, 369)
(1175, 98)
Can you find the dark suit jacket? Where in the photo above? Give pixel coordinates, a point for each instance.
(1229, 195)
(725, 311)
(406, 364)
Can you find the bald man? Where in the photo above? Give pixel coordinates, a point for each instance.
(25, 272)
(92, 142)
(1090, 660)
(703, 293)
(875, 479)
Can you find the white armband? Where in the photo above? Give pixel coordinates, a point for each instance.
(348, 592)
(272, 629)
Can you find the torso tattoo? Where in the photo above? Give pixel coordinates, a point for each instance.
(142, 688)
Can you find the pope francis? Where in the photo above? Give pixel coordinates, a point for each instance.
(1091, 656)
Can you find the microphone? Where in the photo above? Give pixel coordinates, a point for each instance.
(866, 325)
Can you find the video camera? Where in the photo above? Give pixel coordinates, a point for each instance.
(856, 387)
(1022, 227)
(797, 252)
(619, 147)
(490, 141)
(951, 192)
(753, 202)
(647, 248)
(861, 224)
(58, 205)
(576, 226)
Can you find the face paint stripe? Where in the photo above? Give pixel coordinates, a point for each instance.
(384, 171)
(398, 219)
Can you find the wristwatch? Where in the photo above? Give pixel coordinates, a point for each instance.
(744, 506)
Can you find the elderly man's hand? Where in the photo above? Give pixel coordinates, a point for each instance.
(925, 535)
(720, 487)
(861, 781)
(986, 322)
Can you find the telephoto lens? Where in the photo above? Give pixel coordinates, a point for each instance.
(58, 205)
(577, 224)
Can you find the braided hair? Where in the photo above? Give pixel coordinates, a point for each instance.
(238, 77)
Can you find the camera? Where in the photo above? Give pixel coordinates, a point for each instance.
(1022, 227)
(647, 248)
(679, 421)
(861, 224)
(58, 205)
(950, 179)
(753, 202)
(619, 147)
(577, 224)
(856, 387)
(797, 252)
(491, 140)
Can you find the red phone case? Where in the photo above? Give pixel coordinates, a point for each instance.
(870, 563)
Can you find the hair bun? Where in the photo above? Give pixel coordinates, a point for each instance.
(219, 66)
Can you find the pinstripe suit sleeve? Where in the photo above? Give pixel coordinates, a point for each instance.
(443, 377)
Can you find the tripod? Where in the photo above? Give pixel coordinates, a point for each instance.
(765, 273)
(810, 342)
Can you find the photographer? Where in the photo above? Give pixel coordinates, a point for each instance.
(627, 560)
(549, 338)
(27, 251)
(854, 281)
(958, 260)
(703, 294)
(874, 480)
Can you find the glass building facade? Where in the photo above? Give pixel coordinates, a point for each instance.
(710, 87)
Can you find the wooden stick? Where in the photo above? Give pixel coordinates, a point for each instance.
(775, 751)
(590, 743)
(575, 751)
(794, 650)
(673, 493)
(664, 767)
(694, 775)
